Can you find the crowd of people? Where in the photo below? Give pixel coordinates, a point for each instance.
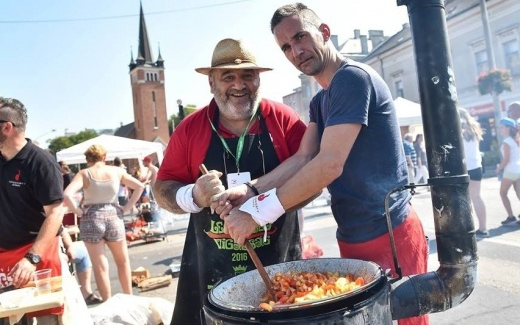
(508, 170)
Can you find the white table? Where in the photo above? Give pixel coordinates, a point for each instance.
(32, 304)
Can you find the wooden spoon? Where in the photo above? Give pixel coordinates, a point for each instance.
(256, 260)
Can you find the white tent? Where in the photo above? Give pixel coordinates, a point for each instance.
(408, 112)
(123, 148)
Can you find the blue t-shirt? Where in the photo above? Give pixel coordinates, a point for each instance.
(376, 163)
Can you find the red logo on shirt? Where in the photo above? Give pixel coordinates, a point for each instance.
(262, 196)
(17, 176)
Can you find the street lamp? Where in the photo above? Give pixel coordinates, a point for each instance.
(44, 134)
(497, 110)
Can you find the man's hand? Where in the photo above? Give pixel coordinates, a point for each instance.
(205, 187)
(222, 203)
(22, 272)
(239, 225)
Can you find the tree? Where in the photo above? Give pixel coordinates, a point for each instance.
(64, 142)
(175, 119)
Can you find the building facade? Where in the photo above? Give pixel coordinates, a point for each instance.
(395, 61)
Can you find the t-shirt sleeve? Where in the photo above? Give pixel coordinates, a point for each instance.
(175, 163)
(186, 149)
(47, 181)
(349, 97)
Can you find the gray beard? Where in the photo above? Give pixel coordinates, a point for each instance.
(234, 113)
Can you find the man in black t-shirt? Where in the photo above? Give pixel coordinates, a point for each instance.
(31, 195)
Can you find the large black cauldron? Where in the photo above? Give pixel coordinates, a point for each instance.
(236, 300)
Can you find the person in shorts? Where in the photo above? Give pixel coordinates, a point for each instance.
(102, 216)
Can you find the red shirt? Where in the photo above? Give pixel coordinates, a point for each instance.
(189, 142)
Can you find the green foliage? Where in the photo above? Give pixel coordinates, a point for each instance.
(497, 81)
(64, 142)
(188, 109)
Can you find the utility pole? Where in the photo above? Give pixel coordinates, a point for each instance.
(492, 66)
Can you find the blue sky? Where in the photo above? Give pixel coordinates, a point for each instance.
(67, 61)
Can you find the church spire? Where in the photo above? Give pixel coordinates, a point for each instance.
(144, 54)
(132, 64)
(160, 61)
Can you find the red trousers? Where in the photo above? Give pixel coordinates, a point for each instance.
(412, 253)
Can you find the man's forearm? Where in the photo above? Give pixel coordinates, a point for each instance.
(165, 193)
(49, 229)
(281, 174)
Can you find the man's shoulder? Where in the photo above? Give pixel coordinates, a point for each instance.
(268, 106)
(272, 104)
(33, 155)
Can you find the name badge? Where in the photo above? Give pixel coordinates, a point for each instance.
(235, 179)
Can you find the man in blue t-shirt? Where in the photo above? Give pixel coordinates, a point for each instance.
(352, 146)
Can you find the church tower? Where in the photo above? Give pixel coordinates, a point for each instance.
(149, 98)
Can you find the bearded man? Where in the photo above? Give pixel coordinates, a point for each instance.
(238, 136)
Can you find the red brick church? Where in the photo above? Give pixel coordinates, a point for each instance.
(148, 93)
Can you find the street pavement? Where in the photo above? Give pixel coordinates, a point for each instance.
(495, 299)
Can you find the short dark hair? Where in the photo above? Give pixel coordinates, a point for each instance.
(117, 161)
(13, 110)
(308, 16)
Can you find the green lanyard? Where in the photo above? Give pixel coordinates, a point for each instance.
(241, 139)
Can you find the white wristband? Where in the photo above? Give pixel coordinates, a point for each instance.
(184, 198)
(264, 208)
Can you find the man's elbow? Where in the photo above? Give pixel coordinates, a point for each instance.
(332, 168)
(158, 190)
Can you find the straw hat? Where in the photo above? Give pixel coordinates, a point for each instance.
(232, 54)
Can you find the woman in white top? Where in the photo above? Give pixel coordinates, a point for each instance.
(472, 135)
(102, 216)
(510, 165)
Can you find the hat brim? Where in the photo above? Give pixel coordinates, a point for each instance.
(244, 65)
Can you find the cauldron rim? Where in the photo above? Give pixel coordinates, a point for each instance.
(371, 269)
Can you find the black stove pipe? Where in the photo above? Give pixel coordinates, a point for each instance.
(456, 277)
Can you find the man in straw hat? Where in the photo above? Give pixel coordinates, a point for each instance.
(238, 136)
(352, 145)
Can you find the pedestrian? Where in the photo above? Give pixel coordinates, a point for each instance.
(122, 194)
(150, 172)
(244, 136)
(411, 156)
(77, 254)
(68, 218)
(513, 111)
(472, 135)
(31, 195)
(352, 145)
(148, 178)
(422, 162)
(68, 175)
(102, 217)
(510, 166)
